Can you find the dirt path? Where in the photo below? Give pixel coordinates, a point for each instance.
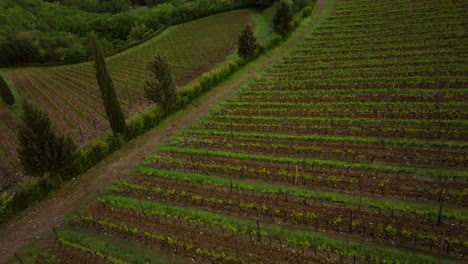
(38, 220)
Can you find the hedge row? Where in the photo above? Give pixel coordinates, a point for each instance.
(90, 155)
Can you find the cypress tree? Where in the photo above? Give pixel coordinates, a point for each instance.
(42, 150)
(106, 87)
(161, 88)
(282, 19)
(5, 92)
(247, 43)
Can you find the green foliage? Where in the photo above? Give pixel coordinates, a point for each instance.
(307, 11)
(29, 194)
(42, 150)
(247, 43)
(139, 32)
(5, 92)
(57, 31)
(113, 6)
(161, 88)
(282, 19)
(304, 5)
(106, 87)
(92, 154)
(18, 48)
(264, 3)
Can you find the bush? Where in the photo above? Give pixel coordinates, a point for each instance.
(307, 11)
(29, 194)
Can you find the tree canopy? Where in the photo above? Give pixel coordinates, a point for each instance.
(40, 31)
(161, 88)
(106, 87)
(282, 19)
(42, 150)
(247, 43)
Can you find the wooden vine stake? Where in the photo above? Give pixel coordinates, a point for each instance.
(142, 209)
(295, 178)
(441, 201)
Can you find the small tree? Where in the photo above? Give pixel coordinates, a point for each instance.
(106, 87)
(247, 43)
(282, 19)
(42, 150)
(5, 92)
(161, 88)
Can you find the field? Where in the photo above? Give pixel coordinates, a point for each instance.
(352, 148)
(71, 96)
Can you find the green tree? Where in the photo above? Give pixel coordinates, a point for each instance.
(5, 92)
(139, 32)
(282, 19)
(106, 86)
(161, 88)
(42, 150)
(247, 43)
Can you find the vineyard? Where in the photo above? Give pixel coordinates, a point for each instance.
(71, 96)
(352, 148)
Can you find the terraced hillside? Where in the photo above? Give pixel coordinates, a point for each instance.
(71, 96)
(352, 148)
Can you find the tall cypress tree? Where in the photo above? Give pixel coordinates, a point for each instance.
(106, 86)
(5, 92)
(282, 19)
(42, 150)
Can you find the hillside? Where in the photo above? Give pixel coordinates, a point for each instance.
(349, 148)
(55, 32)
(71, 96)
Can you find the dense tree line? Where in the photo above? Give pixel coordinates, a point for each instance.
(41, 31)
